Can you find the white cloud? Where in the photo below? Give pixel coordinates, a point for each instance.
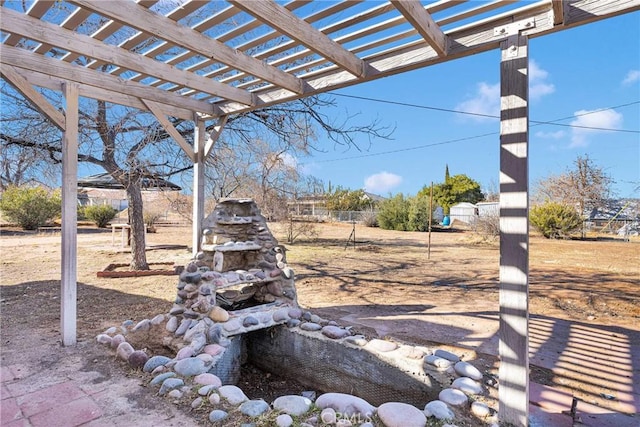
(538, 85)
(381, 183)
(551, 135)
(631, 77)
(606, 119)
(486, 100)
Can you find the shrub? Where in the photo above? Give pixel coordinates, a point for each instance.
(418, 215)
(150, 217)
(295, 229)
(487, 226)
(81, 214)
(30, 207)
(555, 220)
(369, 219)
(394, 213)
(100, 214)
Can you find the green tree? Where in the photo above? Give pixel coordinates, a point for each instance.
(343, 199)
(393, 213)
(30, 207)
(100, 215)
(555, 220)
(456, 189)
(418, 215)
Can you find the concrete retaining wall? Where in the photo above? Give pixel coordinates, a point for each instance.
(334, 366)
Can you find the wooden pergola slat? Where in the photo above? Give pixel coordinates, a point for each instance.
(166, 29)
(287, 23)
(413, 12)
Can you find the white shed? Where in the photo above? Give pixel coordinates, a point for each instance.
(465, 212)
(488, 208)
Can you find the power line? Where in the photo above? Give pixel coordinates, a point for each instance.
(451, 141)
(399, 150)
(491, 116)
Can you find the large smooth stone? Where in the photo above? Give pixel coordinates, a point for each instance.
(207, 379)
(437, 361)
(170, 384)
(218, 314)
(345, 404)
(453, 397)
(154, 362)
(254, 408)
(137, 359)
(439, 410)
(335, 332)
(465, 369)
(234, 395)
(467, 385)
(397, 414)
(284, 420)
(292, 405)
(447, 355)
(381, 346)
(159, 379)
(310, 326)
(124, 350)
(217, 415)
(190, 367)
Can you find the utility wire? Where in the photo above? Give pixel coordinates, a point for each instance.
(491, 116)
(451, 141)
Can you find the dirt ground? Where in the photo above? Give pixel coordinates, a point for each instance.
(584, 297)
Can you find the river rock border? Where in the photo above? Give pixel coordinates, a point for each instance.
(188, 376)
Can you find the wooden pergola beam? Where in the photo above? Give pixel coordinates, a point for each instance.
(156, 109)
(557, 7)
(199, 136)
(69, 244)
(287, 23)
(37, 100)
(143, 19)
(26, 60)
(214, 135)
(513, 348)
(55, 83)
(415, 13)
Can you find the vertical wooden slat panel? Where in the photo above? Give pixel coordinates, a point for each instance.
(514, 233)
(198, 184)
(69, 267)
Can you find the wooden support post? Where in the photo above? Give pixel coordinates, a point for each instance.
(198, 183)
(69, 267)
(513, 391)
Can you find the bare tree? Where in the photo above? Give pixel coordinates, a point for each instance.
(585, 186)
(131, 145)
(257, 155)
(23, 163)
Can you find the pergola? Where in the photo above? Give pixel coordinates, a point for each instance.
(204, 61)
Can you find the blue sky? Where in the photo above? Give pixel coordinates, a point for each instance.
(572, 73)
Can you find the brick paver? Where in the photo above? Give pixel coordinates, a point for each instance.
(71, 414)
(48, 398)
(9, 410)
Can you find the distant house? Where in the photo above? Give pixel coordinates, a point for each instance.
(614, 215)
(157, 194)
(314, 207)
